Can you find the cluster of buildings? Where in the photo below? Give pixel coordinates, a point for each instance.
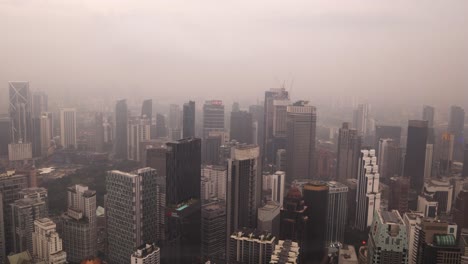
(269, 186)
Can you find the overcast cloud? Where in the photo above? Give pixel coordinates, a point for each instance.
(410, 50)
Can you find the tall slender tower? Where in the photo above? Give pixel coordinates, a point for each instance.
(244, 187)
(241, 127)
(147, 109)
(300, 149)
(270, 96)
(456, 126)
(188, 120)
(349, 146)
(131, 215)
(336, 213)
(213, 117)
(20, 112)
(428, 115)
(416, 153)
(183, 170)
(68, 127)
(361, 119)
(367, 193)
(121, 122)
(46, 128)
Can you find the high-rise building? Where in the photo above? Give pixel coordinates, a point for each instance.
(213, 233)
(268, 144)
(361, 119)
(280, 161)
(121, 123)
(161, 128)
(47, 245)
(428, 161)
(268, 218)
(175, 121)
(294, 218)
(367, 193)
(183, 203)
(443, 249)
(241, 127)
(156, 159)
(68, 127)
(24, 212)
(46, 129)
(129, 195)
(213, 117)
(416, 153)
(10, 186)
(389, 158)
(79, 224)
(439, 191)
(139, 130)
(258, 115)
(456, 126)
(5, 135)
(285, 252)
(146, 254)
(387, 132)
(35, 193)
(211, 148)
(399, 194)
(411, 220)
(446, 154)
(300, 149)
(316, 200)
(465, 162)
(336, 214)
(277, 187)
(428, 115)
(99, 132)
(460, 209)
(388, 239)
(188, 120)
(213, 182)
(39, 103)
(464, 246)
(349, 146)
(147, 109)
(244, 187)
(20, 112)
(250, 246)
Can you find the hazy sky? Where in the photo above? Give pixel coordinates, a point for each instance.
(415, 50)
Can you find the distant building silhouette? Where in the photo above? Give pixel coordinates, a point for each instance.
(213, 117)
(456, 126)
(268, 145)
(188, 120)
(121, 123)
(349, 146)
(241, 127)
(416, 153)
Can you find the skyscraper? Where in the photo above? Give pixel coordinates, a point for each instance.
(460, 210)
(213, 117)
(316, 200)
(213, 230)
(428, 115)
(10, 186)
(336, 214)
(388, 239)
(416, 153)
(147, 109)
(39, 103)
(130, 195)
(20, 112)
(139, 130)
(389, 158)
(428, 161)
(46, 128)
(399, 192)
(175, 121)
(367, 193)
(5, 135)
(213, 182)
(24, 212)
(68, 127)
(244, 187)
(465, 162)
(349, 146)
(258, 115)
(188, 120)
(300, 149)
(250, 246)
(183, 169)
(79, 226)
(361, 119)
(241, 127)
(121, 122)
(161, 128)
(47, 245)
(456, 126)
(270, 96)
(387, 132)
(446, 154)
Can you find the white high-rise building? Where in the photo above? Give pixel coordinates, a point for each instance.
(213, 183)
(68, 127)
(138, 131)
(411, 220)
(361, 119)
(146, 254)
(367, 192)
(428, 162)
(275, 183)
(47, 245)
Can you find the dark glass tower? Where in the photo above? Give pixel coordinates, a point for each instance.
(465, 162)
(121, 122)
(188, 120)
(349, 147)
(147, 109)
(456, 126)
(416, 153)
(316, 200)
(183, 169)
(384, 132)
(273, 94)
(161, 128)
(241, 127)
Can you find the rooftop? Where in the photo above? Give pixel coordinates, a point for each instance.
(391, 217)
